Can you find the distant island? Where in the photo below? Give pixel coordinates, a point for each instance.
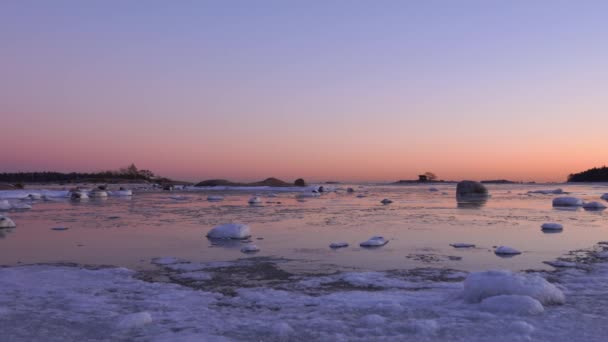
(129, 174)
(596, 174)
(266, 182)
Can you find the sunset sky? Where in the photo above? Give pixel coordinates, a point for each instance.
(324, 90)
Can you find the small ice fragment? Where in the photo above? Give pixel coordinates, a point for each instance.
(594, 206)
(21, 206)
(33, 196)
(601, 255)
(567, 201)
(552, 226)
(282, 330)
(374, 241)
(506, 250)
(4, 205)
(178, 198)
(350, 190)
(512, 304)
(230, 231)
(255, 200)
(78, 194)
(6, 222)
(250, 249)
(97, 193)
(386, 201)
(166, 261)
(560, 263)
(605, 197)
(60, 228)
(135, 320)
(215, 198)
(340, 244)
(433, 189)
(547, 192)
(360, 195)
(121, 192)
(462, 245)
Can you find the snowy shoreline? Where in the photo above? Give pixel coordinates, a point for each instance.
(253, 299)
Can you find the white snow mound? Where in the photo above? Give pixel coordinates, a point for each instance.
(481, 285)
(512, 304)
(374, 241)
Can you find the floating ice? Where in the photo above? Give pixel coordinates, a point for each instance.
(215, 198)
(560, 263)
(97, 193)
(462, 245)
(433, 189)
(605, 196)
(551, 226)
(512, 304)
(255, 200)
(6, 222)
(135, 320)
(167, 261)
(547, 192)
(481, 285)
(360, 195)
(33, 196)
(79, 194)
(123, 192)
(567, 201)
(374, 241)
(250, 249)
(594, 206)
(59, 228)
(20, 206)
(178, 198)
(386, 201)
(340, 244)
(230, 231)
(505, 250)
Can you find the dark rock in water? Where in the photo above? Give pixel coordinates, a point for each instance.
(471, 190)
(102, 187)
(168, 187)
(350, 190)
(215, 182)
(299, 182)
(321, 189)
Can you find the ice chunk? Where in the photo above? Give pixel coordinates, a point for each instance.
(60, 228)
(386, 201)
(481, 285)
(567, 201)
(512, 304)
(594, 206)
(551, 226)
(250, 249)
(605, 196)
(4, 205)
(506, 250)
(123, 192)
(135, 320)
(462, 245)
(433, 189)
(34, 196)
(79, 194)
(21, 206)
(97, 193)
(374, 241)
(195, 276)
(230, 231)
(166, 261)
(340, 244)
(560, 263)
(255, 200)
(6, 222)
(215, 198)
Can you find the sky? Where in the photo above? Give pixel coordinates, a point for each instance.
(325, 90)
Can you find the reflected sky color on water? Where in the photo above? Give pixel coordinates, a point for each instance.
(420, 226)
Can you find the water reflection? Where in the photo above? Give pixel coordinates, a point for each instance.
(5, 231)
(471, 204)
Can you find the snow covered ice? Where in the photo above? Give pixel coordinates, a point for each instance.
(230, 231)
(6, 222)
(567, 201)
(374, 241)
(506, 250)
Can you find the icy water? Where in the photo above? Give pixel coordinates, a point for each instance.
(165, 281)
(420, 226)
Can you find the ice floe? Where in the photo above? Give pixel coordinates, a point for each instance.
(374, 241)
(5, 205)
(506, 250)
(230, 231)
(98, 193)
(547, 192)
(340, 244)
(255, 200)
(604, 197)
(567, 201)
(215, 198)
(551, 226)
(6, 222)
(560, 263)
(386, 201)
(250, 249)
(121, 192)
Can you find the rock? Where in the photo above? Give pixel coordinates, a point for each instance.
(215, 198)
(59, 228)
(505, 250)
(374, 241)
(386, 201)
(250, 249)
(567, 201)
(341, 244)
(350, 190)
(471, 190)
(299, 182)
(230, 231)
(551, 226)
(605, 197)
(462, 245)
(6, 222)
(594, 206)
(547, 192)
